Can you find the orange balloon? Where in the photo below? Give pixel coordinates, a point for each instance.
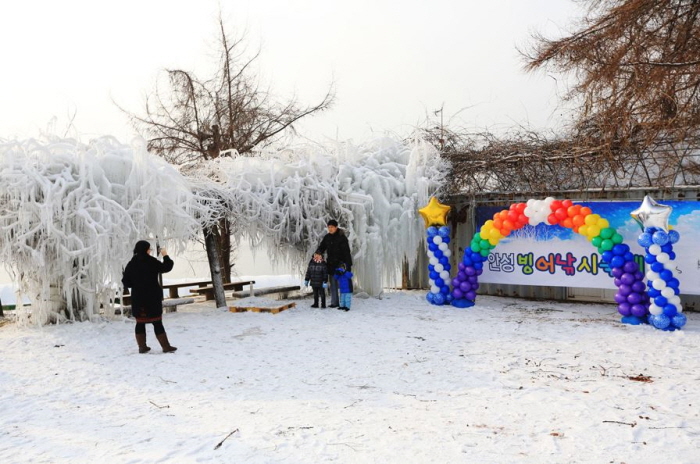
(503, 214)
(573, 210)
(497, 223)
(578, 220)
(585, 211)
(568, 223)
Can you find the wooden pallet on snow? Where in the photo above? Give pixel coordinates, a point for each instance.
(261, 309)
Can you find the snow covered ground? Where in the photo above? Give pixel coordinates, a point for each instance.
(395, 380)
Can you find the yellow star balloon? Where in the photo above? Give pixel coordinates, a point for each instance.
(434, 213)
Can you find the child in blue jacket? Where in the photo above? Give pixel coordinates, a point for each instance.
(344, 279)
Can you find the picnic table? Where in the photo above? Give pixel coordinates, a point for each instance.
(173, 289)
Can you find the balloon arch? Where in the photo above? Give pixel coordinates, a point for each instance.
(657, 302)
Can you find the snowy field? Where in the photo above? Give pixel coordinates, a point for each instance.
(395, 380)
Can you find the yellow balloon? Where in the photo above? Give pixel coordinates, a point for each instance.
(583, 230)
(484, 234)
(593, 231)
(592, 219)
(434, 213)
(495, 233)
(494, 241)
(603, 223)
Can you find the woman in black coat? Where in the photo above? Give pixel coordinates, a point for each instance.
(141, 276)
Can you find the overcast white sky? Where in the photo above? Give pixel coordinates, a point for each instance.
(392, 61)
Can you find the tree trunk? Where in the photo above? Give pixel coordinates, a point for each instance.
(210, 242)
(224, 244)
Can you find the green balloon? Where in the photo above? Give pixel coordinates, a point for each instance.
(597, 241)
(606, 245)
(485, 245)
(475, 248)
(617, 238)
(485, 253)
(608, 232)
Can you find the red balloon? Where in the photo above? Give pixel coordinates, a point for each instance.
(567, 203)
(555, 205)
(552, 219)
(561, 213)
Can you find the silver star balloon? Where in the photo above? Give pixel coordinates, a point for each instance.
(652, 214)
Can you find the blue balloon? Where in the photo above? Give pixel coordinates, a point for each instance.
(478, 265)
(645, 240)
(445, 290)
(607, 256)
(660, 321)
(439, 282)
(660, 301)
(666, 274)
(432, 247)
(447, 266)
(670, 310)
(617, 261)
(673, 283)
(462, 303)
(679, 319)
(467, 260)
(438, 299)
(434, 275)
(629, 256)
(652, 292)
(660, 237)
(444, 231)
(620, 249)
(673, 236)
(650, 259)
(449, 298)
(445, 239)
(666, 248)
(437, 253)
(431, 268)
(431, 231)
(657, 267)
(671, 255)
(430, 297)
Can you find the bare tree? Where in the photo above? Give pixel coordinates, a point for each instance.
(637, 65)
(198, 119)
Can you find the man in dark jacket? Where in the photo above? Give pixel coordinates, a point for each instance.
(337, 249)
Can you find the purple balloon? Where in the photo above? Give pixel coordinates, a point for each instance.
(617, 282)
(625, 290)
(620, 298)
(630, 266)
(470, 295)
(470, 271)
(465, 286)
(624, 308)
(456, 282)
(639, 275)
(461, 266)
(634, 298)
(627, 278)
(462, 275)
(473, 279)
(479, 271)
(617, 272)
(638, 310)
(457, 293)
(639, 286)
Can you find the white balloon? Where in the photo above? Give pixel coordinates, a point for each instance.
(444, 275)
(651, 275)
(668, 293)
(654, 249)
(443, 246)
(447, 253)
(658, 284)
(433, 260)
(655, 310)
(676, 301)
(437, 240)
(435, 289)
(663, 258)
(439, 268)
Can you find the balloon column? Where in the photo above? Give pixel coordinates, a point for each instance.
(438, 237)
(665, 308)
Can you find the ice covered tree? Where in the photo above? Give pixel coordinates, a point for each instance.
(284, 197)
(70, 214)
(192, 118)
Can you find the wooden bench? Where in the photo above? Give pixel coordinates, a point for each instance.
(169, 305)
(208, 292)
(282, 291)
(172, 289)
